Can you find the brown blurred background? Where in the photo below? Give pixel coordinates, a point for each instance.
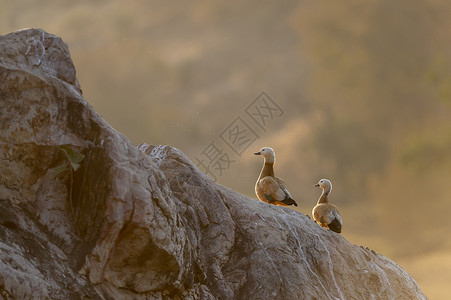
(365, 87)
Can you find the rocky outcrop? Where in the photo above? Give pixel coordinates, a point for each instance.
(143, 222)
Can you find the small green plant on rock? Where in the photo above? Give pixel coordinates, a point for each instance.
(72, 164)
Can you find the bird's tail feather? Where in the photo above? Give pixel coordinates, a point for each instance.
(290, 201)
(335, 226)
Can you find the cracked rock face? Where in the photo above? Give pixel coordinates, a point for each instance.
(143, 222)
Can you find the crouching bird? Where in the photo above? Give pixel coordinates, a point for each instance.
(324, 213)
(269, 188)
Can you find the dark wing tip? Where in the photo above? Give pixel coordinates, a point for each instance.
(290, 201)
(335, 226)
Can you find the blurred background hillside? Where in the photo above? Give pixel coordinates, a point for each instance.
(365, 89)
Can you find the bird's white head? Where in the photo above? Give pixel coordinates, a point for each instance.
(325, 184)
(268, 154)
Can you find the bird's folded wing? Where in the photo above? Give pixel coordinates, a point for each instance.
(270, 186)
(336, 214)
(331, 213)
(283, 186)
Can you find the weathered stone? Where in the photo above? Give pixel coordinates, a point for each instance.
(143, 222)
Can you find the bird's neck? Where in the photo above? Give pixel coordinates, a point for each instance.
(267, 170)
(324, 195)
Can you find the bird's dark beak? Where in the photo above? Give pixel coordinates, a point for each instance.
(316, 184)
(257, 153)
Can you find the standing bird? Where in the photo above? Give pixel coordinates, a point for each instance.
(269, 188)
(324, 213)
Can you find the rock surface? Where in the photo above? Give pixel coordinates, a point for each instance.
(143, 222)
